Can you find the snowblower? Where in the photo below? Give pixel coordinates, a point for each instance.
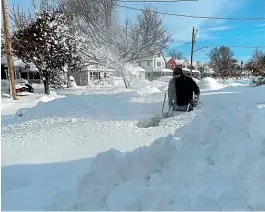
(154, 121)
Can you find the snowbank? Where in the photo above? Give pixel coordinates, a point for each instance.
(139, 83)
(165, 78)
(209, 83)
(94, 106)
(10, 107)
(215, 163)
(148, 90)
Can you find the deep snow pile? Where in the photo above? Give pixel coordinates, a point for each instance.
(209, 83)
(10, 107)
(215, 163)
(113, 106)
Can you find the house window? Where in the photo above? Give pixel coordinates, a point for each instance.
(36, 75)
(149, 63)
(158, 64)
(17, 73)
(3, 72)
(148, 74)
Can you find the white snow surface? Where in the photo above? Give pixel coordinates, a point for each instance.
(85, 152)
(209, 83)
(10, 107)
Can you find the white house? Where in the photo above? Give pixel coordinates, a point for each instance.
(21, 70)
(182, 63)
(203, 68)
(195, 73)
(155, 67)
(91, 74)
(135, 72)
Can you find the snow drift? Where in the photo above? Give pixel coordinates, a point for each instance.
(215, 163)
(209, 83)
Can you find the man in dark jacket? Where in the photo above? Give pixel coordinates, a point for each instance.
(183, 92)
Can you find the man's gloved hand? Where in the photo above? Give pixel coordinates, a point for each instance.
(170, 103)
(195, 101)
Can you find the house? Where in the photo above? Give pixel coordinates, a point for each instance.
(135, 71)
(155, 67)
(203, 68)
(209, 73)
(91, 74)
(21, 70)
(172, 63)
(195, 73)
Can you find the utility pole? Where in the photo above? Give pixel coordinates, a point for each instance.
(8, 50)
(192, 46)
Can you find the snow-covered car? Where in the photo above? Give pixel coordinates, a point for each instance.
(21, 86)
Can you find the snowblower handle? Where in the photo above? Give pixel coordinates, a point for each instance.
(164, 102)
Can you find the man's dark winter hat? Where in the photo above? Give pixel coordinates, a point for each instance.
(177, 72)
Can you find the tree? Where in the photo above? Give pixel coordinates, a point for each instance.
(104, 42)
(222, 61)
(144, 38)
(257, 63)
(176, 54)
(47, 43)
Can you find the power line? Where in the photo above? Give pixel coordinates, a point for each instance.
(198, 17)
(246, 47)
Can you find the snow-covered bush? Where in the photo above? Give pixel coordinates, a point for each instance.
(257, 66)
(48, 43)
(257, 81)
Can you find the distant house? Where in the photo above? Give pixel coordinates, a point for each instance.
(21, 70)
(172, 63)
(135, 71)
(203, 68)
(91, 74)
(209, 73)
(195, 73)
(155, 67)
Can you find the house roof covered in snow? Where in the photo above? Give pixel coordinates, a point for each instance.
(16, 61)
(188, 70)
(163, 70)
(97, 68)
(180, 62)
(166, 70)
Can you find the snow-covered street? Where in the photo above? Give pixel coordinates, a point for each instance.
(85, 151)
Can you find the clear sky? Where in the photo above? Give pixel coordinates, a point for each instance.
(210, 32)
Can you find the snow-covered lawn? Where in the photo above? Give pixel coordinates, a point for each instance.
(85, 152)
(10, 107)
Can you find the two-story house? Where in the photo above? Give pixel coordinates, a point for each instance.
(203, 68)
(172, 63)
(184, 65)
(155, 67)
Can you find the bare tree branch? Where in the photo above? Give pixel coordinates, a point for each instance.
(177, 55)
(222, 61)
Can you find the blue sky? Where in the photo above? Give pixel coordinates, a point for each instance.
(210, 32)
